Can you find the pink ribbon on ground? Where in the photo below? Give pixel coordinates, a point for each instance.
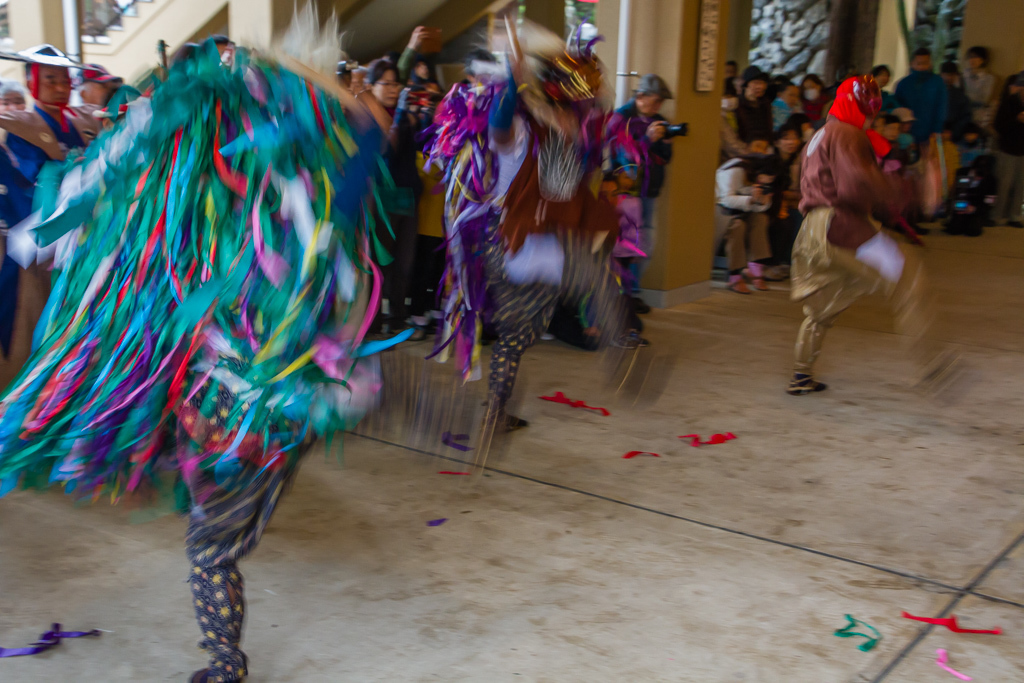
(941, 661)
(465, 474)
(559, 397)
(951, 624)
(713, 441)
(633, 454)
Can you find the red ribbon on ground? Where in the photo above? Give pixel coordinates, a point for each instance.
(951, 624)
(633, 454)
(559, 397)
(713, 441)
(462, 473)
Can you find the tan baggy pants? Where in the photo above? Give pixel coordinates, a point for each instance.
(828, 279)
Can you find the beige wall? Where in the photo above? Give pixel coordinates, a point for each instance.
(33, 22)
(890, 47)
(133, 52)
(999, 26)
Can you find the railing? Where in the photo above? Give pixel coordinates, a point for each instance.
(5, 24)
(101, 16)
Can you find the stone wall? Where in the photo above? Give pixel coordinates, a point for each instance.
(938, 26)
(790, 36)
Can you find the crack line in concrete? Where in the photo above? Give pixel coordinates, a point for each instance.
(707, 525)
(967, 590)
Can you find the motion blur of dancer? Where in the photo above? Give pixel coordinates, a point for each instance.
(210, 327)
(841, 253)
(524, 229)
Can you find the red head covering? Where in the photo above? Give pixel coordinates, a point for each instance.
(857, 99)
(33, 86)
(881, 146)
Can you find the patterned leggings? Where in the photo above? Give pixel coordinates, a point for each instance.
(523, 312)
(226, 522)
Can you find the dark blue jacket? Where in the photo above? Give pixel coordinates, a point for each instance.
(924, 93)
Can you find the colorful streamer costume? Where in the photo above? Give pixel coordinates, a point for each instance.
(208, 327)
(841, 254)
(523, 228)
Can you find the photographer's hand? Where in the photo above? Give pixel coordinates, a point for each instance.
(656, 131)
(419, 34)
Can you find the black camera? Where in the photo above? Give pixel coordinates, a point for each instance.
(765, 189)
(676, 129)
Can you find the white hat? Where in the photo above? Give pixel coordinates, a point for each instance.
(41, 54)
(904, 115)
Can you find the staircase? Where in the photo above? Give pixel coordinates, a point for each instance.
(122, 35)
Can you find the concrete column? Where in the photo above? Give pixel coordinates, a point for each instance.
(737, 31)
(680, 268)
(34, 22)
(890, 46)
(664, 37)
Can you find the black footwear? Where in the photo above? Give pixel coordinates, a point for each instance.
(801, 385)
(419, 334)
(1014, 224)
(640, 306)
(204, 676)
(921, 230)
(513, 423)
(631, 340)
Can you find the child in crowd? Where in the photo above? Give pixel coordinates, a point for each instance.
(896, 165)
(972, 145)
(897, 159)
(801, 122)
(905, 141)
(786, 104)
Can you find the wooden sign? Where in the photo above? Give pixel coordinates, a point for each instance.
(707, 46)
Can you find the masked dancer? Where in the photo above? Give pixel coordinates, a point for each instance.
(524, 230)
(841, 252)
(209, 328)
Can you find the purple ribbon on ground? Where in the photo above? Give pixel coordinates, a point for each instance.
(449, 439)
(45, 642)
(437, 522)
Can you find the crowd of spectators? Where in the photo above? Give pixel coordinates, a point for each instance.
(955, 144)
(960, 118)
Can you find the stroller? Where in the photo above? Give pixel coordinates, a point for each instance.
(973, 195)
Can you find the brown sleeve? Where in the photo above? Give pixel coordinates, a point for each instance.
(860, 184)
(30, 126)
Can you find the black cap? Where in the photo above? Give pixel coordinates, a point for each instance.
(753, 73)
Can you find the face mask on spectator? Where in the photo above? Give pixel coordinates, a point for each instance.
(811, 94)
(730, 103)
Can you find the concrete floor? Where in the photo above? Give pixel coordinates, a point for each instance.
(733, 562)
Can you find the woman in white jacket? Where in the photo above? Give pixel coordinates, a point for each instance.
(743, 196)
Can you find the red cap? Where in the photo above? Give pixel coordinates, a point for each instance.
(97, 74)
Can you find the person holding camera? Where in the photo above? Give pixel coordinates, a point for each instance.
(639, 138)
(744, 191)
(399, 113)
